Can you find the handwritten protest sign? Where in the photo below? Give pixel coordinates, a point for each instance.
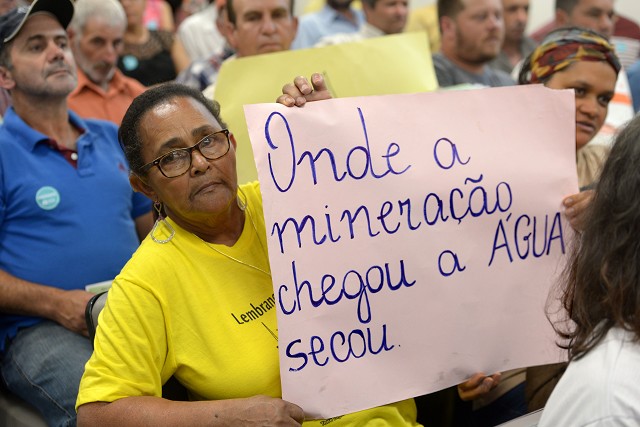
(399, 63)
(413, 239)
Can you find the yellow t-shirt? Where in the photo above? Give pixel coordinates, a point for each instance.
(184, 309)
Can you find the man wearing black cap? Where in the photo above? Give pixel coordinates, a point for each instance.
(68, 216)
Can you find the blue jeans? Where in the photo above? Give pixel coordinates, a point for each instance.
(43, 365)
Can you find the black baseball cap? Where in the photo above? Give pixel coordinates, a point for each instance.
(12, 22)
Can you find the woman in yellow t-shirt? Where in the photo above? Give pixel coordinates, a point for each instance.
(196, 301)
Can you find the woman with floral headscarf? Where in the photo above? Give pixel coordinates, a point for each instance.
(582, 60)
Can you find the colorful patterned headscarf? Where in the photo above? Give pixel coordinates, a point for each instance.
(562, 48)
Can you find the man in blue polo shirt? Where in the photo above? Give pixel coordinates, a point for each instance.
(68, 217)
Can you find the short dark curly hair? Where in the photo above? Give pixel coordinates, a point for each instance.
(129, 132)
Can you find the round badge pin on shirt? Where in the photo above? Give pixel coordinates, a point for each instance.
(47, 198)
(130, 62)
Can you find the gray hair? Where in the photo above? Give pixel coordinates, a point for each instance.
(109, 11)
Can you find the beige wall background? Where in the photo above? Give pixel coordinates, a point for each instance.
(540, 13)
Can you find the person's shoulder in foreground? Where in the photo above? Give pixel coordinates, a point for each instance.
(601, 388)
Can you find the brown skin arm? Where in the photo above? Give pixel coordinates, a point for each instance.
(67, 308)
(156, 411)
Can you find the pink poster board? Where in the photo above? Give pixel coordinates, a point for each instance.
(413, 239)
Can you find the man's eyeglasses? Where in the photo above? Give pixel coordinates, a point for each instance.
(177, 162)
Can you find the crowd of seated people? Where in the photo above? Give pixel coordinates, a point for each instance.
(105, 54)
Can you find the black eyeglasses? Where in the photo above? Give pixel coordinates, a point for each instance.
(177, 162)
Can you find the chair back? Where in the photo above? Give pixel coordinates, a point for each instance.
(93, 309)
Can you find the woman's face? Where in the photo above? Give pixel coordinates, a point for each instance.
(594, 84)
(208, 188)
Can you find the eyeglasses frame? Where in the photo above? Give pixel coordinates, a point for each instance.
(156, 162)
